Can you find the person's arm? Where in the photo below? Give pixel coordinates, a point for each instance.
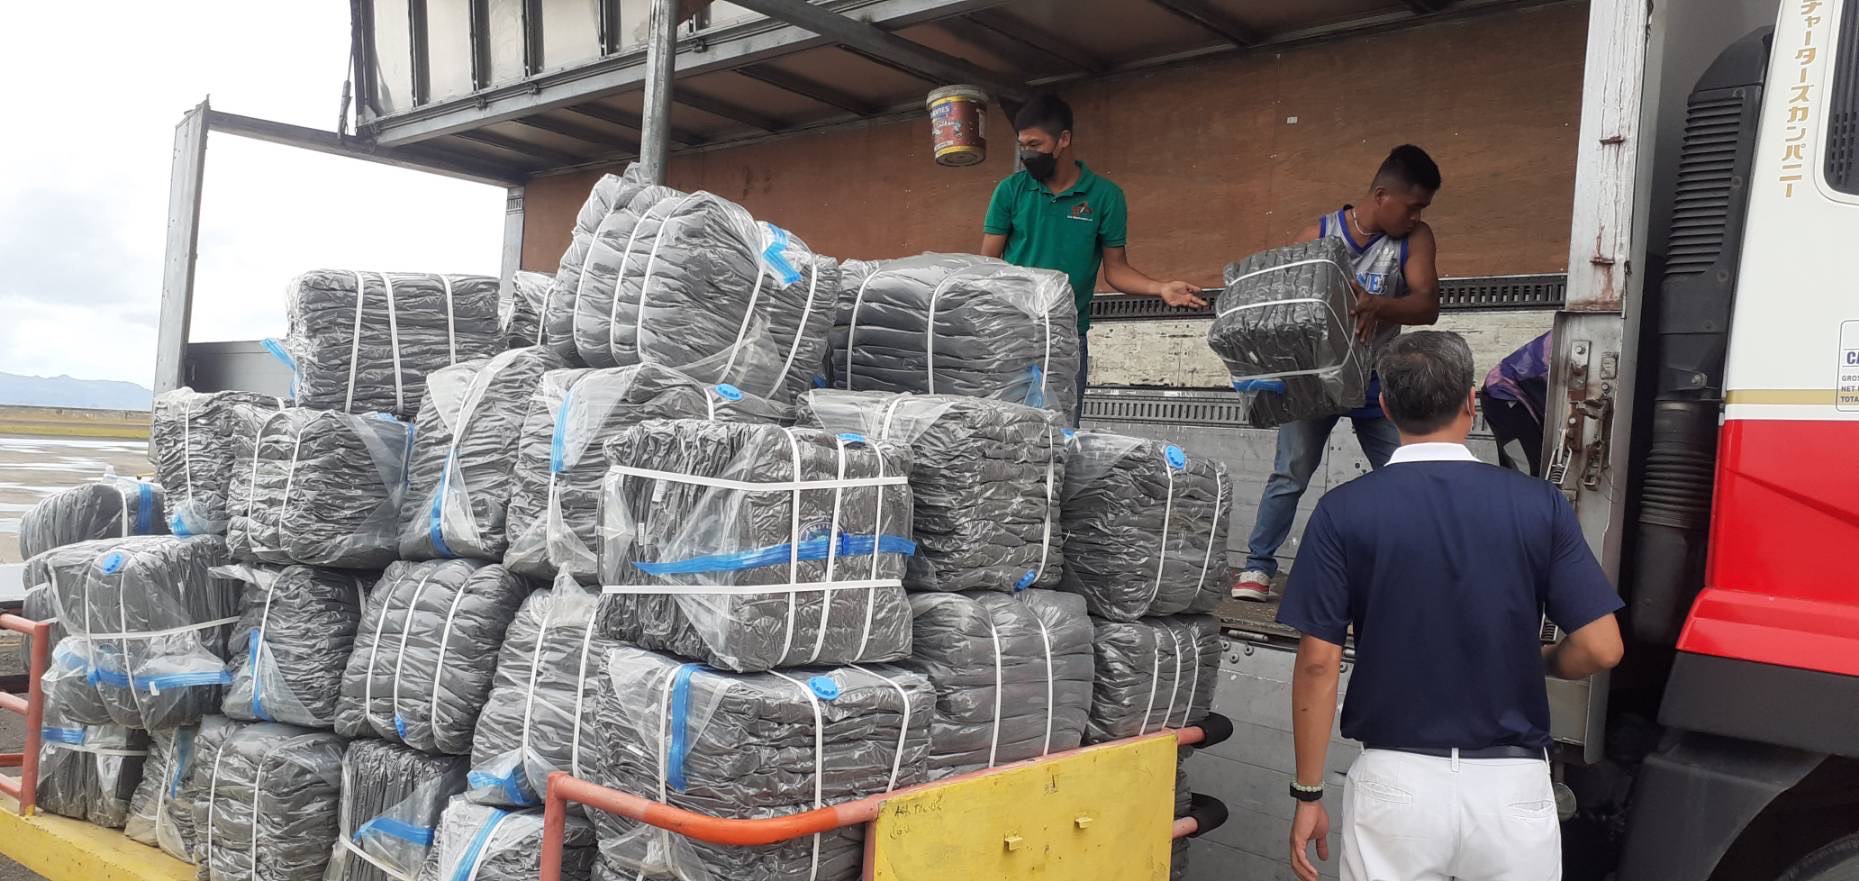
(1590, 650)
(993, 244)
(1121, 276)
(1421, 305)
(1313, 712)
(1579, 600)
(998, 222)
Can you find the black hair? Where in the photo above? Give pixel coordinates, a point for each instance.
(1425, 376)
(1409, 166)
(1047, 112)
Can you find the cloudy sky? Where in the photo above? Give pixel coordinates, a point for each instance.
(97, 89)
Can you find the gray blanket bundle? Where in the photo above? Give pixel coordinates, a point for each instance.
(265, 800)
(1145, 526)
(493, 844)
(752, 745)
(324, 489)
(522, 312)
(1153, 674)
(985, 480)
(391, 800)
(161, 813)
(609, 194)
(1284, 330)
(194, 441)
(751, 547)
(289, 650)
(109, 507)
(88, 772)
(363, 342)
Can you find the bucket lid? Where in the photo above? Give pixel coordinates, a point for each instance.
(969, 93)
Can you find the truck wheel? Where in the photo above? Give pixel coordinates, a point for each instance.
(1838, 861)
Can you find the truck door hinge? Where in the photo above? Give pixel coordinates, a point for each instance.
(1587, 430)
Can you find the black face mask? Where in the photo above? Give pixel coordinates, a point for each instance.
(1042, 166)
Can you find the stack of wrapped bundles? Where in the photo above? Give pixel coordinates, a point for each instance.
(465, 437)
(88, 772)
(323, 489)
(491, 844)
(522, 314)
(1145, 527)
(691, 281)
(750, 746)
(291, 645)
(750, 547)
(556, 487)
(1012, 675)
(265, 800)
(391, 801)
(193, 442)
(425, 653)
(1153, 674)
(146, 624)
(985, 479)
(108, 507)
(1284, 330)
(611, 193)
(363, 342)
(539, 717)
(161, 814)
(960, 325)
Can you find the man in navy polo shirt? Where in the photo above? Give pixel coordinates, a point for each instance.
(1444, 568)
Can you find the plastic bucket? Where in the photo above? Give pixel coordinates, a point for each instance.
(957, 118)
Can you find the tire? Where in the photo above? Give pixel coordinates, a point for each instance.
(1838, 861)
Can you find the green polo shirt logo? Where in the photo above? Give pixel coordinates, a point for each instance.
(1064, 231)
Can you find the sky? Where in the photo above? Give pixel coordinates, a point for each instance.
(89, 135)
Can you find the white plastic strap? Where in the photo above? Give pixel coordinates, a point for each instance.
(1045, 644)
(374, 652)
(664, 762)
(645, 282)
(477, 862)
(123, 496)
(759, 486)
(877, 530)
(1213, 532)
(1194, 680)
(832, 558)
(361, 287)
(1155, 682)
(748, 315)
(994, 735)
(704, 590)
(903, 724)
(529, 700)
(290, 480)
(187, 447)
(213, 801)
(386, 869)
(258, 637)
(858, 301)
(156, 634)
(438, 664)
(1294, 301)
(613, 311)
(1161, 557)
(793, 348)
(258, 789)
(580, 697)
(451, 334)
(819, 760)
(393, 343)
(94, 750)
(1174, 690)
(793, 558)
(1052, 491)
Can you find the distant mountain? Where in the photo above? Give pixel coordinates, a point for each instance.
(65, 391)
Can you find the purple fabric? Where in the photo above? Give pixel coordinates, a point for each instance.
(1527, 363)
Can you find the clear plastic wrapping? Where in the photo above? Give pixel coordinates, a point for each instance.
(1284, 330)
(291, 645)
(985, 479)
(559, 466)
(521, 314)
(363, 342)
(146, 623)
(426, 651)
(1153, 674)
(161, 813)
(611, 193)
(323, 489)
(539, 717)
(464, 440)
(88, 772)
(755, 546)
(1145, 526)
(748, 746)
(108, 507)
(193, 441)
(1012, 675)
(960, 325)
(481, 843)
(265, 800)
(391, 800)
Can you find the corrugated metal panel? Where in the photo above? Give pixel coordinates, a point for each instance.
(393, 56)
(570, 33)
(448, 47)
(506, 41)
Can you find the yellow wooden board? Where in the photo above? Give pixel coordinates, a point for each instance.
(1100, 814)
(72, 850)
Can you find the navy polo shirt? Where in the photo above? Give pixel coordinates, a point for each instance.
(1444, 566)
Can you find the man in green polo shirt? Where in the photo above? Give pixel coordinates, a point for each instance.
(1055, 213)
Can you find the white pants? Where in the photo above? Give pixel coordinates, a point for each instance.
(1419, 818)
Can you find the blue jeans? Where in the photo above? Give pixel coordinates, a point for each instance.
(1084, 372)
(1300, 451)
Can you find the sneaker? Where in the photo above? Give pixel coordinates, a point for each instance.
(1254, 585)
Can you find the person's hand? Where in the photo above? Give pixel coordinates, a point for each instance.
(1367, 313)
(1311, 824)
(1183, 295)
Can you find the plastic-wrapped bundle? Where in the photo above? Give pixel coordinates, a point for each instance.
(423, 658)
(556, 492)
(748, 746)
(465, 438)
(491, 844)
(751, 547)
(522, 320)
(88, 772)
(985, 478)
(960, 325)
(363, 342)
(1012, 675)
(1284, 330)
(109, 507)
(391, 801)
(191, 442)
(540, 714)
(1153, 674)
(291, 645)
(1145, 526)
(611, 193)
(266, 802)
(146, 623)
(705, 289)
(161, 814)
(324, 489)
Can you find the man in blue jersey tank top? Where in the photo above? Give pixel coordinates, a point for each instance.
(1397, 283)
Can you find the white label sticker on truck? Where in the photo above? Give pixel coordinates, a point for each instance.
(1846, 390)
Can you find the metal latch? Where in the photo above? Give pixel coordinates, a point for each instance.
(1587, 431)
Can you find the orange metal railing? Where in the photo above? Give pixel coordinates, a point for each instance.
(25, 787)
(563, 789)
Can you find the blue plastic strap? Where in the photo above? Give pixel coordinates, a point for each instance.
(1259, 385)
(558, 439)
(145, 507)
(848, 545)
(728, 392)
(776, 260)
(72, 736)
(1036, 387)
(400, 726)
(278, 351)
(392, 828)
(435, 531)
(680, 721)
(152, 684)
(258, 682)
(465, 864)
(1025, 581)
(183, 753)
(509, 786)
(177, 526)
